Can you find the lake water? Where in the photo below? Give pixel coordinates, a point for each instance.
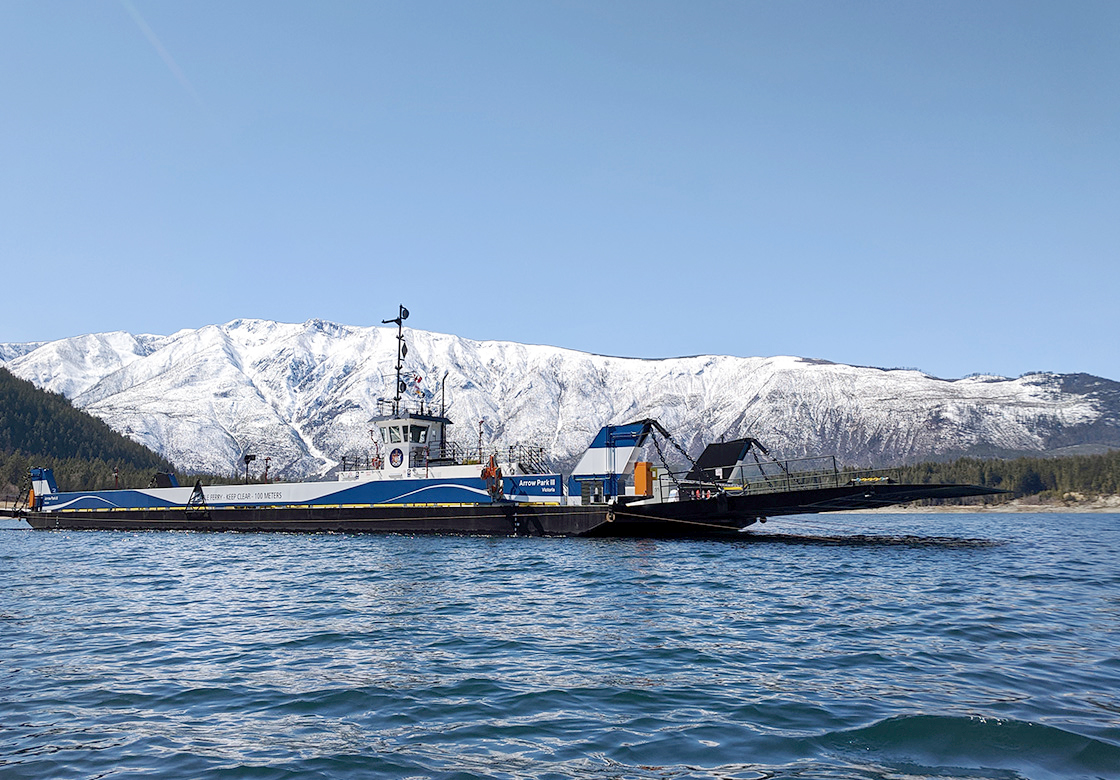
(844, 646)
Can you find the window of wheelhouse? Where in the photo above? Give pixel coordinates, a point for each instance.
(394, 434)
(419, 434)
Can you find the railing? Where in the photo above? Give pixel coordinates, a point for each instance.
(455, 453)
(409, 405)
(771, 477)
(529, 459)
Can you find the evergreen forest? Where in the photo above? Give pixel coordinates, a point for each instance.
(1086, 475)
(39, 428)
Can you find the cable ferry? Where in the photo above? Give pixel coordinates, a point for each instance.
(422, 486)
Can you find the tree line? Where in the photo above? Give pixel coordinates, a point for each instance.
(76, 473)
(40, 428)
(44, 423)
(1089, 475)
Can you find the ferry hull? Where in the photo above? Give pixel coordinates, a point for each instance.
(482, 520)
(722, 515)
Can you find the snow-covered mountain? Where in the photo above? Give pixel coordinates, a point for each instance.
(303, 394)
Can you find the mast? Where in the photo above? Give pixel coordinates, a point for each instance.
(402, 352)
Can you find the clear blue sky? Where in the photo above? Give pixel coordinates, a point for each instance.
(925, 184)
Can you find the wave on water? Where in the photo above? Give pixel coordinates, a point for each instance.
(831, 652)
(942, 745)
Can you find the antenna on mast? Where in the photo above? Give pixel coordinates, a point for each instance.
(402, 351)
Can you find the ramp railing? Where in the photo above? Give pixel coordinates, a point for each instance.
(783, 476)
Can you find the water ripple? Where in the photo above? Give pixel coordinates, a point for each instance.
(960, 646)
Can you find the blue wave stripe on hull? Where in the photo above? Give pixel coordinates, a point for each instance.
(467, 490)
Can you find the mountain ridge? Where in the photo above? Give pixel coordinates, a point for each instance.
(303, 393)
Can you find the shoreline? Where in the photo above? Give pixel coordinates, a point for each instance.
(1027, 504)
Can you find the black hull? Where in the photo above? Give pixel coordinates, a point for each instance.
(483, 520)
(723, 515)
(848, 498)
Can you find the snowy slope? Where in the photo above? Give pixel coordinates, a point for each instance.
(12, 351)
(303, 394)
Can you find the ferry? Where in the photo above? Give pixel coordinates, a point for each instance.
(424, 484)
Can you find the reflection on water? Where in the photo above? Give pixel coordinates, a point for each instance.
(867, 540)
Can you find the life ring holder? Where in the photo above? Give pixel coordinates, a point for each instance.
(492, 476)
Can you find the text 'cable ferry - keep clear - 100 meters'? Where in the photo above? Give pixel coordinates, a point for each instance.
(422, 486)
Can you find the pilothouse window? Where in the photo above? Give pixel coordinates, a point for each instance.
(419, 434)
(394, 434)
